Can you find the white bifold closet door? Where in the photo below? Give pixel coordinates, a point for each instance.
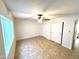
(56, 32)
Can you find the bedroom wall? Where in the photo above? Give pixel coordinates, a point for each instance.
(5, 12)
(68, 29)
(26, 28)
(45, 29)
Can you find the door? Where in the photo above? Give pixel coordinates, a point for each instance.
(57, 32)
(75, 44)
(8, 34)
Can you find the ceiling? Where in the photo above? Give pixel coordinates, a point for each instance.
(50, 7)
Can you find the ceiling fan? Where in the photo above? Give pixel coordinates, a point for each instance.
(41, 18)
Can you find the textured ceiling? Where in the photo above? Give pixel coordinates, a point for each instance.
(51, 7)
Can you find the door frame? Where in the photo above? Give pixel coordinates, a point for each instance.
(62, 31)
(74, 33)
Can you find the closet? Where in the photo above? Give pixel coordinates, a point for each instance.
(56, 33)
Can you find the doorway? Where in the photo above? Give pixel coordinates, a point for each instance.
(76, 37)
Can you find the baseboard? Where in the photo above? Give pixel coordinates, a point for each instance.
(28, 37)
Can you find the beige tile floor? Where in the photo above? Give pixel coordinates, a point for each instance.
(41, 48)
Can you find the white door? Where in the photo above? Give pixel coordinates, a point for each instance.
(56, 31)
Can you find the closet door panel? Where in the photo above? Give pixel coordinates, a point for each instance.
(56, 30)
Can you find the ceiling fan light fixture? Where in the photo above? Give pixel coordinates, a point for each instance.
(39, 21)
(40, 16)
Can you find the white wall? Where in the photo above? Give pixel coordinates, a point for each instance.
(68, 29)
(4, 11)
(68, 33)
(26, 28)
(45, 30)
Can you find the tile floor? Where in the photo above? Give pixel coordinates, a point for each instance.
(41, 48)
